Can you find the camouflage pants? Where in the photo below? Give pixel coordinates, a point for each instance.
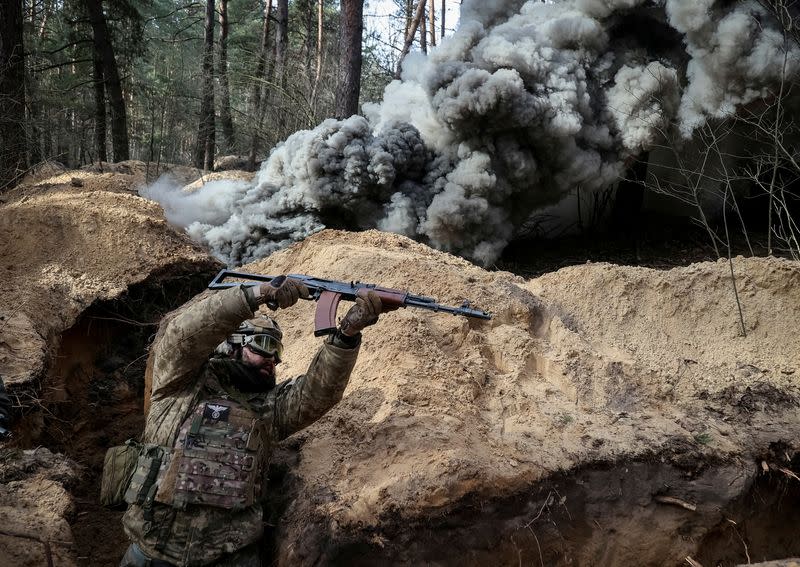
(246, 557)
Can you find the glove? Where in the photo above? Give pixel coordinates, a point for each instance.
(363, 314)
(282, 292)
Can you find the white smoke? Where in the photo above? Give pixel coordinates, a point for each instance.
(211, 204)
(642, 101)
(524, 103)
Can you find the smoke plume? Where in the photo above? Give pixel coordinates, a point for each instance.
(524, 103)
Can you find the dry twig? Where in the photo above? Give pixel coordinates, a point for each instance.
(675, 502)
(788, 473)
(746, 551)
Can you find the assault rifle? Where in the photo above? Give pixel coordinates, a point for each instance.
(328, 293)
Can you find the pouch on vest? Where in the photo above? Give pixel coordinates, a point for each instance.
(118, 468)
(144, 477)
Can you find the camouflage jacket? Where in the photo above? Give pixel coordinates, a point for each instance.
(183, 377)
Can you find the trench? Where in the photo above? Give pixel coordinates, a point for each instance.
(602, 514)
(94, 392)
(625, 513)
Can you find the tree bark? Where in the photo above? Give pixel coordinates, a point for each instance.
(281, 46)
(409, 13)
(350, 58)
(258, 80)
(99, 109)
(423, 33)
(204, 150)
(113, 85)
(412, 31)
(43, 24)
(13, 145)
(318, 70)
(225, 94)
(432, 13)
(444, 8)
(308, 7)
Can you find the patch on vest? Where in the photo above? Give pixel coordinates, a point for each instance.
(217, 412)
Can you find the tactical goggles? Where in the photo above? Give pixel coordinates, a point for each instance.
(265, 345)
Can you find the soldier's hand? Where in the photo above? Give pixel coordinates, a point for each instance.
(363, 314)
(282, 292)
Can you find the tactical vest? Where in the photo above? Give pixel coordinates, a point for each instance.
(217, 459)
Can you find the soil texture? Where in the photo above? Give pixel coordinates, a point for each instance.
(605, 415)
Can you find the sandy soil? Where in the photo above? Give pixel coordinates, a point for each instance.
(606, 415)
(588, 365)
(233, 174)
(34, 504)
(65, 249)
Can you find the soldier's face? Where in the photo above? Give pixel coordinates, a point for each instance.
(265, 364)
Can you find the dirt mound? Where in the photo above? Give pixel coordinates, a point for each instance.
(233, 174)
(65, 247)
(34, 504)
(122, 177)
(232, 162)
(592, 376)
(86, 275)
(43, 171)
(146, 172)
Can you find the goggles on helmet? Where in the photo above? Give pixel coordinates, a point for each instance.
(265, 345)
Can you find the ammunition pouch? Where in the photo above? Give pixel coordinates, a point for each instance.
(118, 468)
(129, 473)
(142, 487)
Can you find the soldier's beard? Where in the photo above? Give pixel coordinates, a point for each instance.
(254, 378)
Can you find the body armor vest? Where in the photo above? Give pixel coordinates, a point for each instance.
(217, 459)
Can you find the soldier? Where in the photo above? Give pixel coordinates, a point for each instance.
(213, 423)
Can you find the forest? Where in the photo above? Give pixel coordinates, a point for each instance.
(684, 120)
(182, 82)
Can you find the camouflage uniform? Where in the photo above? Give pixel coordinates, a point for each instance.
(184, 380)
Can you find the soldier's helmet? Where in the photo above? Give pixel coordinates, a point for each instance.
(262, 334)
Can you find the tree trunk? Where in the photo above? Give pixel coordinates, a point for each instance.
(281, 46)
(256, 95)
(33, 120)
(43, 24)
(423, 33)
(225, 95)
(13, 145)
(204, 150)
(113, 85)
(99, 108)
(412, 31)
(444, 8)
(432, 13)
(38, 141)
(409, 11)
(349, 85)
(309, 47)
(318, 70)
